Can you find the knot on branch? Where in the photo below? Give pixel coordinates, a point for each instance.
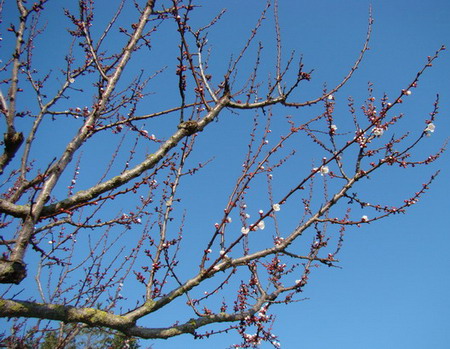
(12, 272)
(190, 126)
(12, 141)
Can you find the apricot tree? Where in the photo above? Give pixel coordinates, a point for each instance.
(104, 162)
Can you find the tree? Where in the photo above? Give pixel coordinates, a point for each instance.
(97, 212)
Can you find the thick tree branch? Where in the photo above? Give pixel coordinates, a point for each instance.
(99, 318)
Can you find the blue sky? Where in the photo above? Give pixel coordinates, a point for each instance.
(392, 289)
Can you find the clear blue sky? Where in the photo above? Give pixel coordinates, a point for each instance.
(392, 290)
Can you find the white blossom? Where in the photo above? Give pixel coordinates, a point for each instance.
(364, 218)
(333, 127)
(247, 216)
(71, 80)
(330, 97)
(324, 170)
(261, 225)
(276, 207)
(430, 128)
(244, 230)
(229, 220)
(378, 131)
